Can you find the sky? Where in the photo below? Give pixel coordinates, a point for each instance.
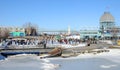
(57, 14)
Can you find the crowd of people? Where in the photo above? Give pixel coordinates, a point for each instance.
(45, 41)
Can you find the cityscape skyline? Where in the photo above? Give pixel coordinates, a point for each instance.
(57, 14)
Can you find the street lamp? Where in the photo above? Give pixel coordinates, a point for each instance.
(102, 32)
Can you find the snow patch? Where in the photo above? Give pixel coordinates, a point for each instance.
(107, 66)
(49, 66)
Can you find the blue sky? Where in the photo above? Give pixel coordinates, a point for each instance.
(57, 14)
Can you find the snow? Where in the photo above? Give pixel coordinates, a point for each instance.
(113, 55)
(107, 41)
(107, 66)
(25, 61)
(73, 46)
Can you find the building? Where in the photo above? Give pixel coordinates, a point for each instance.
(17, 32)
(106, 29)
(12, 31)
(107, 26)
(107, 21)
(85, 34)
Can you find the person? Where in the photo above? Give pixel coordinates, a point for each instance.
(5, 44)
(44, 43)
(88, 42)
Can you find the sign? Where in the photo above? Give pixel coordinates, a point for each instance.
(118, 42)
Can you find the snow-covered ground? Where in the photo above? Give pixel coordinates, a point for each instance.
(107, 41)
(67, 45)
(113, 55)
(108, 61)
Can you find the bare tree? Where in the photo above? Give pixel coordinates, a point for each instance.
(30, 29)
(4, 32)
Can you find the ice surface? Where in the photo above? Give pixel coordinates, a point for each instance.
(106, 60)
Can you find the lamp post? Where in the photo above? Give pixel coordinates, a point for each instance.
(102, 32)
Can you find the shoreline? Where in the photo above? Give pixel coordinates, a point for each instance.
(112, 55)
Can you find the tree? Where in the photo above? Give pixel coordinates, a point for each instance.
(4, 32)
(30, 29)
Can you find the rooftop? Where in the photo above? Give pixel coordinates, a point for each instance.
(107, 17)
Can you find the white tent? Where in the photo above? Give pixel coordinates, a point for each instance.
(73, 37)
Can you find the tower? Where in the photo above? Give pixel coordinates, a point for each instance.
(68, 30)
(107, 21)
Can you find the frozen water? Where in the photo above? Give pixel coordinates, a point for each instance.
(101, 61)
